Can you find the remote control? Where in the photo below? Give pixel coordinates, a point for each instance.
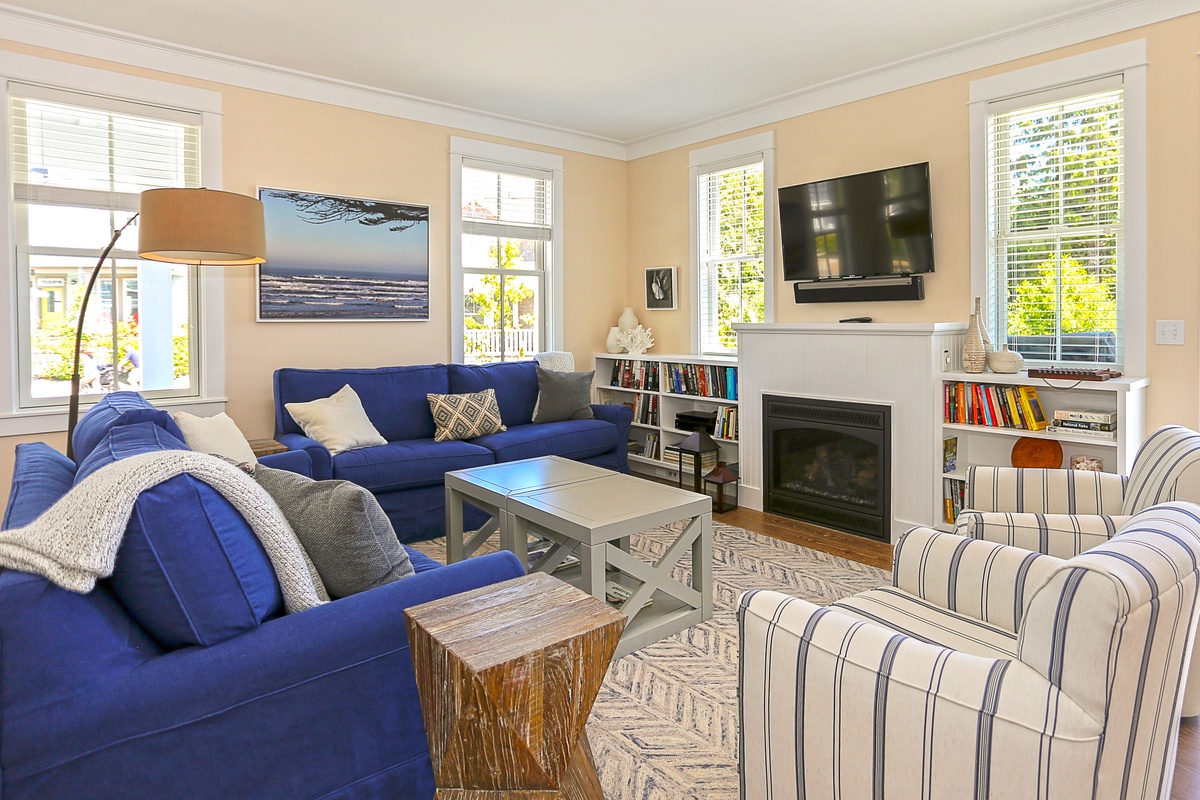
(855, 319)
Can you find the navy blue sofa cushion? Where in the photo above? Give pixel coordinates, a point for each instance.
(41, 475)
(190, 569)
(515, 383)
(117, 408)
(577, 439)
(407, 464)
(393, 397)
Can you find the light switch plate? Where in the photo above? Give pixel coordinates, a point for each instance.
(1168, 331)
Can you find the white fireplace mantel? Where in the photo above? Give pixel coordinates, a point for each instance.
(894, 364)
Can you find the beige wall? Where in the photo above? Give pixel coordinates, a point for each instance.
(622, 218)
(930, 123)
(270, 140)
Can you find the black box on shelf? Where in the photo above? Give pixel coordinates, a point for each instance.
(696, 421)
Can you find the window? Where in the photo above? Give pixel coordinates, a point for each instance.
(733, 263)
(79, 164)
(1057, 255)
(507, 248)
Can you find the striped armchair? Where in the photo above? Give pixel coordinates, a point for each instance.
(1062, 512)
(984, 671)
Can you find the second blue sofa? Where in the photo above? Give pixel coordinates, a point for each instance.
(407, 474)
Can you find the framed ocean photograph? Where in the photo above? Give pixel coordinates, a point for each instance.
(660, 289)
(341, 259)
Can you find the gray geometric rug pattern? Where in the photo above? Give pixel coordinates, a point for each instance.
(664, 726)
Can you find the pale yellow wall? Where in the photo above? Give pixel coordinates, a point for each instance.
(930, 123)
(270, 140)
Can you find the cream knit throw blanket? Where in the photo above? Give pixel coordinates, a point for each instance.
(75, 541)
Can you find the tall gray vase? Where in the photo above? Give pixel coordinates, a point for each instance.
(983, 329)
(974, 352)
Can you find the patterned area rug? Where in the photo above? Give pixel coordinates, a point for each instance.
(664, 726)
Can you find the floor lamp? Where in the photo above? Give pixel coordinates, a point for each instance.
(181, 226)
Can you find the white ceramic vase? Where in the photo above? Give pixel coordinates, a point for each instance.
(983, 328)
(974, 354)
(610, 341)
(1005, 361)
(628, 320)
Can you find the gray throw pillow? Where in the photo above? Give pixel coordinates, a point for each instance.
(563, 395)
(341, 526)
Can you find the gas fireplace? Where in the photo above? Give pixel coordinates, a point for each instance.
(829, 463)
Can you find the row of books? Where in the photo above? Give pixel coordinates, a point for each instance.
(645, 408)
(954, 494)
(633, 373)
(702, 380)
(727, 422)
(994, 406)
(673, 457)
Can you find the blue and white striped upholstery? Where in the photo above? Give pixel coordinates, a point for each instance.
(1085, 704)
(1166, 467)
(1063, 512)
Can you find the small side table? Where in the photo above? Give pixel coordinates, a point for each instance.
(507, 675)
(266, 447)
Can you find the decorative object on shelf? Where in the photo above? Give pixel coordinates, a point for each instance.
(722, 486)
(691, 458)
(205, 227)
(660, 289)
(628, 320)
(1005, 361)
(983, 328)
(343, 258)
(1088, 463)
(1037, 453)
(636, 340)
(974, 353)
(610, 342)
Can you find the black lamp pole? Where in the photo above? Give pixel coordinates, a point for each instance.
(73, 408)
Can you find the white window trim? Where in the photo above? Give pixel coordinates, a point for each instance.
(520, 158)
(748, 149)
(210, 344)
(1128, 59)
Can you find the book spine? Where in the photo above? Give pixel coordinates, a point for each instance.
(1103, 417)
(1086, 426)
(1108, 436)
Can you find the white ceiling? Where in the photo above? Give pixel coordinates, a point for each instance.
(621, 72)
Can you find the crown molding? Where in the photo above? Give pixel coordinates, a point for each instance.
(56, 33)
(981, 53)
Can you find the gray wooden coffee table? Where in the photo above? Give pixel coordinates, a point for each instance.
(488, 488)
(594, 519)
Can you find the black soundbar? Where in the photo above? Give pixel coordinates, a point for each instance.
(860, 291)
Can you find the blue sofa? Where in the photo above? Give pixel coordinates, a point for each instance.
(407, 474)
(181, 676)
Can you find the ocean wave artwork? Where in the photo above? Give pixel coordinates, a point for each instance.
(339, 297)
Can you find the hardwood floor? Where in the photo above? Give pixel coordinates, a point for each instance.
(857, 548)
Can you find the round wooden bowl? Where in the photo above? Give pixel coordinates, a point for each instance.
(1037, 453)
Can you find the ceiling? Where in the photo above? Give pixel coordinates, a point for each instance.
(621, 72)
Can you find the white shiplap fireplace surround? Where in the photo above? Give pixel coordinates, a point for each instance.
(891, 364)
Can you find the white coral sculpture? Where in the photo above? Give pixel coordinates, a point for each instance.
(635, 340)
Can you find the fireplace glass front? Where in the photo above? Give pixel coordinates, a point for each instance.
(829, 462)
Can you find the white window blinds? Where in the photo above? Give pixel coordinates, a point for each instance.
(730, 203)
(96, 152)
(1055, 224)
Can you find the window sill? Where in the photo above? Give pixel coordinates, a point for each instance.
(31, 422)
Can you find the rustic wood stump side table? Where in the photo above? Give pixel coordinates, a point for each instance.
(507, 675)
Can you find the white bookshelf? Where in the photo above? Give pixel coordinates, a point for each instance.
(670, 400)
(985, 445)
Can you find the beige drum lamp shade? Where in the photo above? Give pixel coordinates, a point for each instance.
(201, 226)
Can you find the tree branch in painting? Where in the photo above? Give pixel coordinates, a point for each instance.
(318, 209)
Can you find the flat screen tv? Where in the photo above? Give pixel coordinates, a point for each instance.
(871, 225)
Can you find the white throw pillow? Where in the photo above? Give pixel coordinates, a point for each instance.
(339, 421)
(217, 435)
